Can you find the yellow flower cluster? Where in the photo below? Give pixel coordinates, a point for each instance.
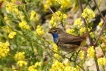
(10, 6)
(81, 54)
(21, 63)
(64, 3)
(13, 1)
(14, 68)
(4, 49)
(19, 56)
(82, 30)
(56, 18)
(37, 64)
(60, 15)
(33, 16)
(88, 14)
(55, 47)
(91, 52)
(57, 56)
(78, 22)
(70, 31)
(39, 30)
(6, 29)
(102, 61)
(48, 3)
(34, 67)
(13, 9)
(79, 25)
(7, 20)
(58, 66)
(100, 24)
(12, 34)
(24, 25)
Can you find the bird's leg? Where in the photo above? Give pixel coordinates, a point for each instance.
(65, 55)
(77, 54)
(71, 56)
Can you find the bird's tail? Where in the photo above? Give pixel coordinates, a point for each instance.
(85, 35)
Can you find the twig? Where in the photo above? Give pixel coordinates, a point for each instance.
(99, 34)
(91, 42)
(56, 16)
(102, 26)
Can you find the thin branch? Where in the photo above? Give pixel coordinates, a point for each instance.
(91, 42)
(102, 26)
(56, 16)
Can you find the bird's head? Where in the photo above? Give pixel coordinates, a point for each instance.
(55, 30)
(55, 33)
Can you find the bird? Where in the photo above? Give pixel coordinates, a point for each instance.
(66, 42)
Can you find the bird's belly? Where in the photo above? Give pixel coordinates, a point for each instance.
(68, 47)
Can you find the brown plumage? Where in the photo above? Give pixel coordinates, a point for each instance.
(65, 41)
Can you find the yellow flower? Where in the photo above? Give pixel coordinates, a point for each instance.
(55, 47)
(21, 63)
(10, 7)
(19, 56)
(82, 30)
(53, 22)
(32, 68)
(6, 29)
(39, 30)
(100, 23)
(81, 54)
(56, 18)
(78, 22)
(70, 31)
(7, 20)
(12, 34)
(35, 50)
(68, 68)
(37, 64)
(24, 25)
(57, 66)
(16, 11)
(88, 14)
(57, 56)
(66, 62)
(33, 16)
(45, 7)
(91, 52)
(13, 68)
(50, 2)
(4, 49)
(64, 3)
(13, 0)
(102, 61)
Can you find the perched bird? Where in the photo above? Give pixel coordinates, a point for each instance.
(65, 41)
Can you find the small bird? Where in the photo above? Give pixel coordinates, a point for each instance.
(65, 41)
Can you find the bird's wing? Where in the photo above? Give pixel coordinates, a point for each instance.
(70, 39)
